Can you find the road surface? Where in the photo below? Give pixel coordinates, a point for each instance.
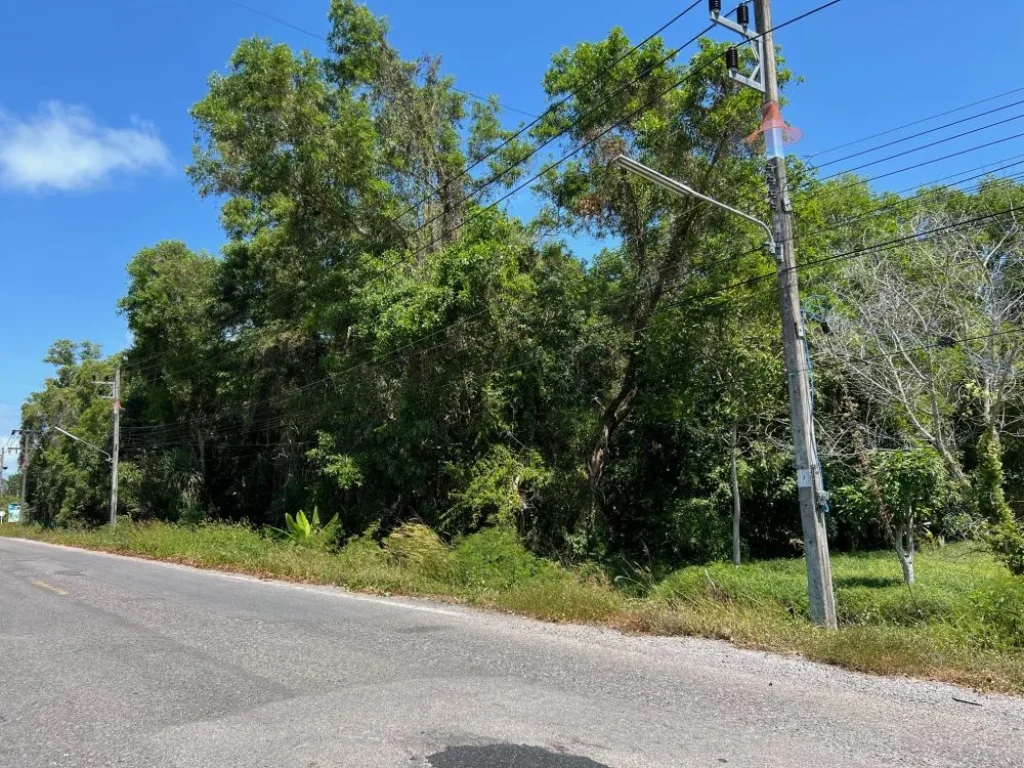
(112, 661)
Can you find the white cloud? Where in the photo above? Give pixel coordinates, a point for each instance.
(62, 147)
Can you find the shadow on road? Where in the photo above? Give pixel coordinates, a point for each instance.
(507, 756)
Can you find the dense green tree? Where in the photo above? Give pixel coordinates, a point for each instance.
(69, 481)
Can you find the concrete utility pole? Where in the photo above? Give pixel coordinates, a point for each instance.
(6, 450)
(764, 78)
(812, 516)
(115, 398)
(24, 476)
(734, 481)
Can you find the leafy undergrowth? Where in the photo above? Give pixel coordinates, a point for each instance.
(963, 622)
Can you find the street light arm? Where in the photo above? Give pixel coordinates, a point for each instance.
(75, 437)
(629, 164)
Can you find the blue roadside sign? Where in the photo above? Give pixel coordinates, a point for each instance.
(14, 513)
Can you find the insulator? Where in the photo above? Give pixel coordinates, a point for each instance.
(743, 15)
(715, 6)
(732, 59)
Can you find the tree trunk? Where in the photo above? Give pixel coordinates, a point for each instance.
(733, 453)
(904, 542)
(201, 442)
(614, 414)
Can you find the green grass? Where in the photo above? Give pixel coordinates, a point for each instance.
(963, 621)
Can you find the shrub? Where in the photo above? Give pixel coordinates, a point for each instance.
(495, 558)
(1007, 542)
(999, 612)
(703, 533)
(497, 488)
(415, 546)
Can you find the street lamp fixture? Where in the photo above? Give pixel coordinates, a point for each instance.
(629, 164)
(76, 437)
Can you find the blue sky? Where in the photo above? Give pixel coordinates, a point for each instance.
(94, 126)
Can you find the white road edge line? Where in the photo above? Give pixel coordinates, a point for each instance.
(327, 591)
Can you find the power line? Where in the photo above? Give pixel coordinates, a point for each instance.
(275, 422)
(946, 157)
(278, 421)
(551, 166)
(590, 141)
(553, 107)
(856, 181)
(853, 253)
(923, 146)
(919, 134)
(944, 343)
(969, 170)
(704, 268)
(924, 192)
(905, 238)
(915, 122)
(619, 122)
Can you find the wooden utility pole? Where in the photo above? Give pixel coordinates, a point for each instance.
(812, 516)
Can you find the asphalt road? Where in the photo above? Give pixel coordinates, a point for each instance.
(110, 661)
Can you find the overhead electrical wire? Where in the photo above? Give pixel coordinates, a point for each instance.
(944, 343)
(819, 166)
(911, 124)
(815, 167)
(924, 191)
(811, 264)
(552, 108)
(674, 52)
(554, 164)
(591, 140)
(807, 183)
(923, 146)
(692, 73)
(657, 97)
(944, 157)
(676, 18)
(1019, 159)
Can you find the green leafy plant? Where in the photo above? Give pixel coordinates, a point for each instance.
(307, 531)
(1007, 542)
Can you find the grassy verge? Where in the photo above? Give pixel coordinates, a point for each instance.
(962, 623)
